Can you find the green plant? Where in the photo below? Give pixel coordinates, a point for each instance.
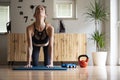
(96, 12)
(99, 40)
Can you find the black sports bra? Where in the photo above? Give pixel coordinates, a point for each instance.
(40, 37)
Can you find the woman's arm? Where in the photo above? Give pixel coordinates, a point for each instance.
(51, 41)
(29, 46)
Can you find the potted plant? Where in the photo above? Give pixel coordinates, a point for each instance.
(97, 13)
(99, 57)
(99, 40)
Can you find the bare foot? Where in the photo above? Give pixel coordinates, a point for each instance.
(28, 66)
(49, 66)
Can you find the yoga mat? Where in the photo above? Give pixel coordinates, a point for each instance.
(39, 68)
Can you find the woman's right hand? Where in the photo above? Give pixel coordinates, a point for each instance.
(28, 66)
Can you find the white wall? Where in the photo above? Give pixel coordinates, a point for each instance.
(4, 1)
(119, 30)
(107, 31)
(3, 49)
(114, 32)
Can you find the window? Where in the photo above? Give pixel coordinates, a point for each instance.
(4, 18)
(65, 9)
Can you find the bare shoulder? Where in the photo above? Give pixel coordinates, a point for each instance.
(29, 28)
(49, 27)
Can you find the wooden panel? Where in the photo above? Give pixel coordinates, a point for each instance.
(21, 47)
(67, 47)
(41, 55)
(16, 47)
(58, 47)
(11, 47)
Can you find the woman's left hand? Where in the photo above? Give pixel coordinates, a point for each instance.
(49, 66)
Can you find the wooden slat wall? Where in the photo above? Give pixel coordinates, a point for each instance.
(21, 47)
(67, 47)
(17, 47)
(11, 47)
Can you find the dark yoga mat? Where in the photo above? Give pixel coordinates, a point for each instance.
(39, 68)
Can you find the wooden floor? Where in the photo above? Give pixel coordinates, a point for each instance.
(89, 73)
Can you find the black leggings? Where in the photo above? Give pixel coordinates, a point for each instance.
(35, 55)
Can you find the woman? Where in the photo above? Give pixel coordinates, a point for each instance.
(40, 34)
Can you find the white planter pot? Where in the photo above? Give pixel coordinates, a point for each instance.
(99, 58)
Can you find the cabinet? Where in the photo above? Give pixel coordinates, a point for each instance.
(67, 47)
(17, 48)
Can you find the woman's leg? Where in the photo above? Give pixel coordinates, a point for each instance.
(46, 56)
(35, 55)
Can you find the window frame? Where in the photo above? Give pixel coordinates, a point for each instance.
(6, 5)
(74, 9)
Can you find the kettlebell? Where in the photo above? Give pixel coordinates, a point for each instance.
(83, 63)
